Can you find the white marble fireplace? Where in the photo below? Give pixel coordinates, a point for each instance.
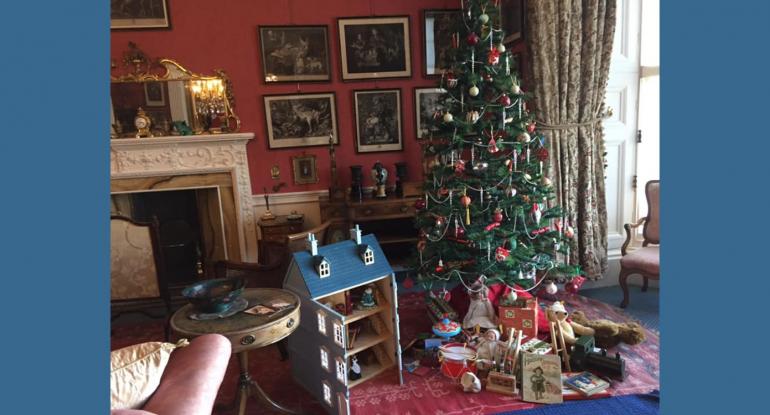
(215, 161)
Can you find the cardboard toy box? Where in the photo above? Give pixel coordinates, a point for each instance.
(521, 315)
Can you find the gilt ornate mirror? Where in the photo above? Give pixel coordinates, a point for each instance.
(168, 97)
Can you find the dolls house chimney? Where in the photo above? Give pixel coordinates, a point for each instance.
(355, 235)
(312, 244)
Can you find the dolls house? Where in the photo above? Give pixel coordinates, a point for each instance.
(348, 317)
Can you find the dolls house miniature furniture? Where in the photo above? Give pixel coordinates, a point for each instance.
(333, 330)
(137, 281)
(644, 261)
(190, 381)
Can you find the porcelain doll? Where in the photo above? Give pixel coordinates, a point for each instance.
(480, 312)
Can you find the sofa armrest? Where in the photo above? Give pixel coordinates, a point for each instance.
(192, 378)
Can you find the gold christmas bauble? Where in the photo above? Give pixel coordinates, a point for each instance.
(474, 91)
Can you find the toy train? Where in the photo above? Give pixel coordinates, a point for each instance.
(585, 358)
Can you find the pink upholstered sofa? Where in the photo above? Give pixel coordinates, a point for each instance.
(191, 379)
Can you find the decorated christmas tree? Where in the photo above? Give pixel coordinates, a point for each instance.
(488, 213)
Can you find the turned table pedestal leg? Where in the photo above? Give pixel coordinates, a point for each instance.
(248, 386)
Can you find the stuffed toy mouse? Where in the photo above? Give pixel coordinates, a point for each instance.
(609, 333)
(571, 330)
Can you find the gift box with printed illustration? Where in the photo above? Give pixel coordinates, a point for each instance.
(520, 314)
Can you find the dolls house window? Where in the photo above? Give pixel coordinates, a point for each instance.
(322, 322)
(368, 257)
(327, 392)
(323, 269)
(338, 334)
(324, 358)
(340, 370)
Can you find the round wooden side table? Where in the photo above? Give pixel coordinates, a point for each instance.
(247, 332)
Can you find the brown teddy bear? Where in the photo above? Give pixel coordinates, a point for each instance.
(608, 333)
(570, 330)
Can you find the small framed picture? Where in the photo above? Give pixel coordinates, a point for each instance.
(428, 104)
(513, 19)
(375, 47)
(438, 26)
(155, 94)
(301, 120)
(294, 53)
(304, 168)
(145, 14)
(378, 120)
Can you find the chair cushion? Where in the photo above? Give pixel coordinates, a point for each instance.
(192, 378)
(646, 259)
(135, 372)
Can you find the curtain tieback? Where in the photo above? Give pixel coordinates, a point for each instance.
(545, 126)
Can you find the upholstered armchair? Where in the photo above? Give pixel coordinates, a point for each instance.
(137, 279)
(644, 261)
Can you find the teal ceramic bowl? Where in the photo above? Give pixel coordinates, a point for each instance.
(214, 296)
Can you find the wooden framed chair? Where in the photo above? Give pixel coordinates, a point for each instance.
(137, 278)
(644, 261)
(296, 241)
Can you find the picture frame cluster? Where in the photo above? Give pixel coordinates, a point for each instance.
(370, 48)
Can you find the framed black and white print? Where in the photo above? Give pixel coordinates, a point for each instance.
(378, 120)
(294, 53)
(428, 104)
(145, 14)
(514, 17)
(438, 26)
(374, 47)
(301, 120)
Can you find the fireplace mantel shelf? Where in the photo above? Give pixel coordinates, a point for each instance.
(121, 143)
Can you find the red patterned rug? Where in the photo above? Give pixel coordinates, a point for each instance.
(430, 394)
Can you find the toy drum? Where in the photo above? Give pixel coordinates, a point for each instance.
(456, 359)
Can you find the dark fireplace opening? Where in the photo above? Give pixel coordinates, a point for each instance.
(190, 230)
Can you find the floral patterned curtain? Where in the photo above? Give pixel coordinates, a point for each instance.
(570, 43)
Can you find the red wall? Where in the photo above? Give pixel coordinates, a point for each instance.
(208, 35)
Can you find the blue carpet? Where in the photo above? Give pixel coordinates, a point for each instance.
(642, 306)
(647, 404)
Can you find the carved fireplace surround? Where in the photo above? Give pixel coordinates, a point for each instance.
(193, 162)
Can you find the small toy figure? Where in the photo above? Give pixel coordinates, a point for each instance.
(480, 312)
(538, 383)
(355, 370)
(367, 300)
(487, 349)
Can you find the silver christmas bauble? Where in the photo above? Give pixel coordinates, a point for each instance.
(448, 117)
(515, 89)
(474, 91)
(484, 18)
(501, 48)
(551, 288)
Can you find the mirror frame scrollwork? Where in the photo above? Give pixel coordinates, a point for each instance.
(139, 68)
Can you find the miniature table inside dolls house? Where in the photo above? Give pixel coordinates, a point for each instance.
(247, 332)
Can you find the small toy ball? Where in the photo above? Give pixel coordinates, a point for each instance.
(474, 91)
(448, 117)
(551, 288)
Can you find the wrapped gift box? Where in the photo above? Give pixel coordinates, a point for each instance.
(521, 315)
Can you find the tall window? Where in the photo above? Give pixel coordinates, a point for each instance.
(648, 151)
(327, 392)
(368, 257)
(324, 269)
(340, 370)
(338, 337)
(324, 358)
(322, 322)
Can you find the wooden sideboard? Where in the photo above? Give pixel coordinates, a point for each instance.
(391, 220)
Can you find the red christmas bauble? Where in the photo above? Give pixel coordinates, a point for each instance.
(465, 200)
(419, 204)
(493, 57)
(505, 100)
(531, 127)
(440, 221)
(542, 154)
(408, 283)
(501, 254)
(447, 295)
(472, 39)
(498, 215)
(460, 232)
(439, 269)
(574, 286)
